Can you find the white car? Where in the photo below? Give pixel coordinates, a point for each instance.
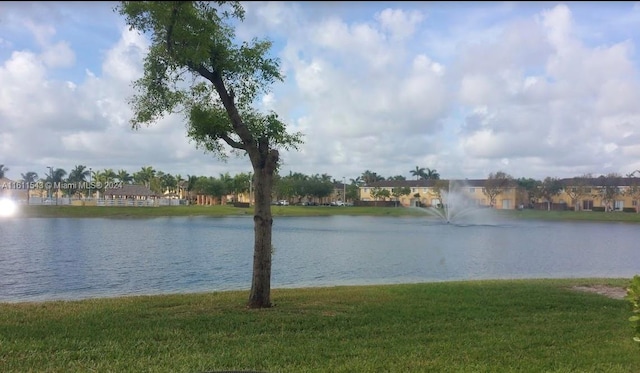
(283, 203)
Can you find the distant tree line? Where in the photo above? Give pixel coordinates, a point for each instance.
(297, 186)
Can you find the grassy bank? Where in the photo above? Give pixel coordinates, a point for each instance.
(482, 326)
(227, 210)
(218, 210)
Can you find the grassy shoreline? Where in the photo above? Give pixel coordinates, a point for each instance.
(227, 210)
(477, 326)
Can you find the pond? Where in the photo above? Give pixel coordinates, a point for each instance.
(76, 258)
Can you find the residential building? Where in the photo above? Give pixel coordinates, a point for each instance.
(599, 193)
(432, 192)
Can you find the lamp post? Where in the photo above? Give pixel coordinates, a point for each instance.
(250, 187)
(50, 194)
(344, 192)
(90, 186)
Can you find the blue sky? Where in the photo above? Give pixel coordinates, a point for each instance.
(534, 89)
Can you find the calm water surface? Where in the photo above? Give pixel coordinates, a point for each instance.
(75, 258)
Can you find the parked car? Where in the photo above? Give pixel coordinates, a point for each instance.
(283, 202)
(337, 203)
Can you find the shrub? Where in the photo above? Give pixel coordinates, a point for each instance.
(628, 209)
(633, 296)
(597, 208)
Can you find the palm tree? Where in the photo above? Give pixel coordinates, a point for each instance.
(109, 175)
(418, 172)
(191, 186)
(3, 169)
(430, 174)
(369, 177)
(78, 175)
(56, 177)
(357, 181)
(124, 177)
(144, 176)
(179, 180)
(29, 178)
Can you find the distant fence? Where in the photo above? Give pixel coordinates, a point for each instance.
(117, 202)
(138, 202)
(377, 203)
(550, 206)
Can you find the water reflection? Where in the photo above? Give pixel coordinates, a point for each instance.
(42, 259)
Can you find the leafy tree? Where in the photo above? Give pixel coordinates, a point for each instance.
(550, 187)
(319, 187)
(353, 192)
(3, 170)
(168, 183)
(384, 194)
(530, 188)
(579, 187)
(399, 192)
(609, 189)
(438, 187)
(242, 184)
(418, 172)
(396, 178)
(375, 194)
(633, 190)
(194, 67)
(380, 193)
(633, 296)
(495, 185)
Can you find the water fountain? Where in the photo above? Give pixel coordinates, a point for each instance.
(458, 207)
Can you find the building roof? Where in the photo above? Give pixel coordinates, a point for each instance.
(600, 181)
(133, 190)
(430, 183)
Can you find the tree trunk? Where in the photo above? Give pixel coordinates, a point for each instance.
(260, 295)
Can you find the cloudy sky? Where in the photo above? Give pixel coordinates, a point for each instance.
(534, 89)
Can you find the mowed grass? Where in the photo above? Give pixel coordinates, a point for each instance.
(196, 210)
(477, 326)
(228, 210)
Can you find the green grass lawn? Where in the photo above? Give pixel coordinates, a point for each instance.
(227, 210)
(478, 326)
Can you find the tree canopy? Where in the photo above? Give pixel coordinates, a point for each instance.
(196, 67)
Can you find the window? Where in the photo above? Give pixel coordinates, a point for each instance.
(587, 204)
